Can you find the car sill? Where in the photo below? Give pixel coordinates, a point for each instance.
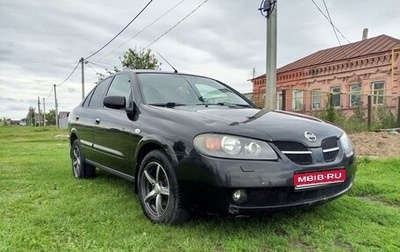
(112, 171)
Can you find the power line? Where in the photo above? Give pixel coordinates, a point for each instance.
(98, 74)
(49, 95)
(145, 28)
(120, 31)
(69, 76)
(176, 24)
(335, 29)
(330, 21)
(96, 64)
(92, 68)
(107, 69)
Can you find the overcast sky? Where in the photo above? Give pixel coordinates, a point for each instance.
(42, 41)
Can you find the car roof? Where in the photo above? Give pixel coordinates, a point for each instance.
(136, 71)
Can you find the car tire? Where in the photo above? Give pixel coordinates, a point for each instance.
(80, 169)
(158, 190)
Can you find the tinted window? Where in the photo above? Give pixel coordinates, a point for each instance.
(120, 86)
(87, 99)
(212, 91)
(185, 89)
(98, 94)
(163, 88)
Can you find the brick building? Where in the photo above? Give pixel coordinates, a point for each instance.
(349, 73)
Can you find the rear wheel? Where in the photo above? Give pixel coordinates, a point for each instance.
(158, 190)
(80, 169)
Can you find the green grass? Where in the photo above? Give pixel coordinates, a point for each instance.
(43, 208)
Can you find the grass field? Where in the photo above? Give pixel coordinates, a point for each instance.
(43, 208)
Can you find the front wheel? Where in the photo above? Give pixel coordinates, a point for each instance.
(80, 169)
(158, 190)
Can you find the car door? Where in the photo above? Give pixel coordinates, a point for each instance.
(84, 118)
(114, 137)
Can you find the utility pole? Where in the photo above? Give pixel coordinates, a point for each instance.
(56, 104)
(270, 10)
(83, 78)
(44, 112)
(38, 105)
(34, 116)
(32, 113)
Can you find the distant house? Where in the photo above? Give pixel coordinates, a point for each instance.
(63, 119)
(349, 73)
(12, 122)
(39, 119)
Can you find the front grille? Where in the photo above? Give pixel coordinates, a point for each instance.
(329, 143)
(296, 152)
(300, 154)
(330, 149)
(301, 159)
(290, 146)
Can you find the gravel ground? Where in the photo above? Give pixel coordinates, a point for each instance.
(376, 144)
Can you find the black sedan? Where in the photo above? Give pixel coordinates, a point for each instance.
(191, 143)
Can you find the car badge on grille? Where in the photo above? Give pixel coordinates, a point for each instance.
(310, 136)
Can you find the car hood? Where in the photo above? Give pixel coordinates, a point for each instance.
(254, 123)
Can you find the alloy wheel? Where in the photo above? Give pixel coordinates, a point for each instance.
(155, 188)
(76, 161)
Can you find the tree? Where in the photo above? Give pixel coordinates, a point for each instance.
(51, 117)
(103, 76)
(134, 60)
(31, 117)
(140, 60)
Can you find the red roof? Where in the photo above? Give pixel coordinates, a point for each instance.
(367, 47)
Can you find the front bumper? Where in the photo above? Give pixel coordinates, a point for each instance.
(210, 184)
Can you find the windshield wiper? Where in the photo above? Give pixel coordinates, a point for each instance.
(167, 105)
(203, 101)
(232, 104)
(243, 105)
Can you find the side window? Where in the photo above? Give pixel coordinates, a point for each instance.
(120, 86)
(87, 99)
(98, 95)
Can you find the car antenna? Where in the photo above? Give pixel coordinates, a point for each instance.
(175, 71)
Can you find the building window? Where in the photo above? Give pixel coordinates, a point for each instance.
(335, 92)
(355, 95)
(297, 100)
(279, 100)
(316, 99)
(378, 93)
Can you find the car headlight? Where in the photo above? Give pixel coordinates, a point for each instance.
(228, 146)
(346, 144)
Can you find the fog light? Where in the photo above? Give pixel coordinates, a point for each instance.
(239, 196)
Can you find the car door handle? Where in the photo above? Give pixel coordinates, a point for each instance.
(97, 120)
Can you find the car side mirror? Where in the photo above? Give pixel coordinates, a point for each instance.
(115, 102)
(132, 111)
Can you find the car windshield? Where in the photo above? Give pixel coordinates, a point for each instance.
(177, 90)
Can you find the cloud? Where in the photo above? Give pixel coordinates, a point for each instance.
(43, 40)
